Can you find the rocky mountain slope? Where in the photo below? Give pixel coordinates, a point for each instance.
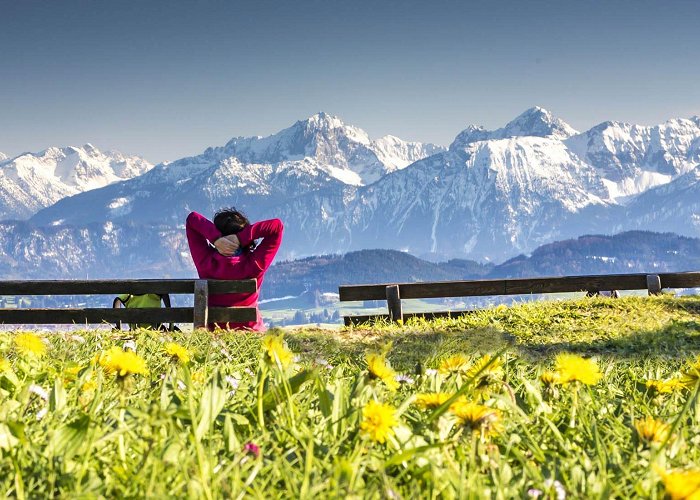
(32, 181)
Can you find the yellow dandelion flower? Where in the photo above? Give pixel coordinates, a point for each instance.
(664, 386)
(489, 376)
(378, 367)
(457, 363)
(574, 368)
(198, 376)
(550, 378)
(276, 350)
(692, 374)
(177, 352)
(651, 431)
(477, 418)
(122, 363)
(430, 400)
(378, 421)
(89, 386)
(30, 344)
(683, 485)
(4, 365)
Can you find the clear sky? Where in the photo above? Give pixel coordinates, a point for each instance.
(166, 79)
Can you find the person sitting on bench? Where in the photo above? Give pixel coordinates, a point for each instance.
(225, 249)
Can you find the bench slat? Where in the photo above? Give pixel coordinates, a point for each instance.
(133, 315)
(136, 287)
(517, 286)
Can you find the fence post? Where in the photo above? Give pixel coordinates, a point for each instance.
(201, 299)
(393, 302)
(654, 284)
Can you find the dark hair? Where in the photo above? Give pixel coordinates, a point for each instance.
(231, 221)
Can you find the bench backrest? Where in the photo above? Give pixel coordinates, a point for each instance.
(394, 292)
(200, 314)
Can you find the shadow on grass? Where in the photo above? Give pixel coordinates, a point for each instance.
(679, 339)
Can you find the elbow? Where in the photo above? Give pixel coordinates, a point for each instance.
(191, 218)
(279, 226)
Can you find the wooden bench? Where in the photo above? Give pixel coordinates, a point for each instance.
(393, 293)
(199, 315)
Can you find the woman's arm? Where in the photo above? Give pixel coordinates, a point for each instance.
(271, 233)
(199, 230)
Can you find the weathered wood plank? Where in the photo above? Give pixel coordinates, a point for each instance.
(136, 287)
(680, 280)
(96, 315)
(201, 300)
(238, 286)
(232, 314)
(134, 315)
(515, 286)
(393, 302)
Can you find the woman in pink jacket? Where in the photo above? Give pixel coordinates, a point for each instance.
(225, 249)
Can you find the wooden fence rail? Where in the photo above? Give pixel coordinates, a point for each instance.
(199, 315)
(393, 293)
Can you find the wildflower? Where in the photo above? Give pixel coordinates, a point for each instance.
(664, 386)
(692, 374)
(324, 363)
(276, 350)
(550, 378)
(573, 368)
(477, 418)
(651, 431)
(534, 493)
(684, 485)
(559, 490)
(487, 375)
(30, 344)
(177, 352)
(378, 421)
(252, 448)
(379, 368)
(4, 365)
(39, 391)
(130, 345)
(404, 379)
(456, 363)
(123, 363)
(431, 400)
(89, 386)
(198, 376)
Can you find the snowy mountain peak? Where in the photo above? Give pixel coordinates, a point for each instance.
(32, 181)
(534, 122)
(3, 156)
(538, 122)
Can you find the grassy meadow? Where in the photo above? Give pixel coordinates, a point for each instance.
(586, 398)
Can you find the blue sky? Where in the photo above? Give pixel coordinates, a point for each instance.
(166, 79)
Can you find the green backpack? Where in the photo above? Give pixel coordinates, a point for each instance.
(147, 300)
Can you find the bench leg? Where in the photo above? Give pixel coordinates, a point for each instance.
(393, 302)
(201, 307)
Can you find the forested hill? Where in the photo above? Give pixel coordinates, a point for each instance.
(629, 252)
(326, 272)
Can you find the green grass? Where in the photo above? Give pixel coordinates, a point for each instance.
(182, 430)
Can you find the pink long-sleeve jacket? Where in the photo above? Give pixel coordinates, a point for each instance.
(211, 264)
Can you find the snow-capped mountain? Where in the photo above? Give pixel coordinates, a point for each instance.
(486, 199)
(30, 182)
(491, 195)
(634, 158)
(536, 122)
(3, 156)
(671, 207)
(318, 153)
